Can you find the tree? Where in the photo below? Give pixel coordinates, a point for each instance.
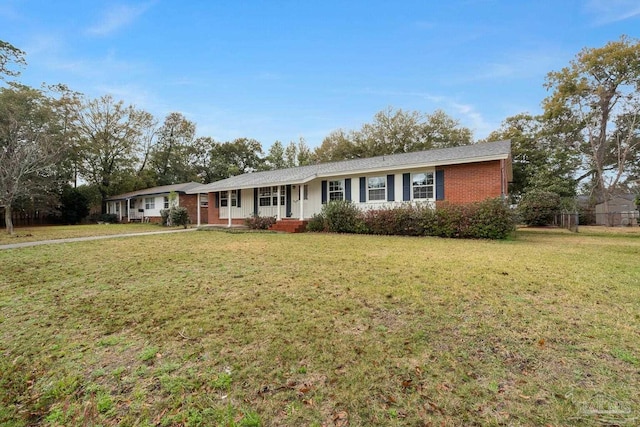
(74, 205)
(297, 154)
(110, 137)
(538, 207)
(541, 160)
(10, 54)
(276, 157)
(399, 131)
(29, 149)
(203, 158)
(242, 155)
(395, 131)
(336, 146)
(599, 94)
(171, 157)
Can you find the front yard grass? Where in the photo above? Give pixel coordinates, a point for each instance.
(54, 232)
(248, 329)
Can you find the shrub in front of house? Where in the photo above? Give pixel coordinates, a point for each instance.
(257, 222)
(489, 219)
(538, 207)
(108, 218)
(342, 216)
(164, 214)
(448, 220)
(400, 221)
(316, 223)
(179, 216)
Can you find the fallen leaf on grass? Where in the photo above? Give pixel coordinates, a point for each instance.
(341, 419)
(304, 389)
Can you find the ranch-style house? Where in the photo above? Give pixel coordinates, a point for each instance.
(455, 175)
(145, 205)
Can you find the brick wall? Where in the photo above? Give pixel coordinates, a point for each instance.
(473, 182)
(214, 211)
(190, 201)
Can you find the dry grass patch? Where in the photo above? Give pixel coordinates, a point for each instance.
(215, 328)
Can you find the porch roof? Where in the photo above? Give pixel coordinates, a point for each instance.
(164, 189)
(299, 175)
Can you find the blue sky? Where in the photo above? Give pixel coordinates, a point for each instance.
(281, 70)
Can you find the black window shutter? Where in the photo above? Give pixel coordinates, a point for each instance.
(288, 202)
(391, 196)
(363, 189)
(255, 201)
(324, 192)
(440, 184)
(239, 198)
(406, 187)
(217, 200)
(347, 189)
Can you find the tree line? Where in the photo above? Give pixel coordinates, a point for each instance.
(57, 145)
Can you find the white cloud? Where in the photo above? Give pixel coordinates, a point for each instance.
(474, 119)
(517, 65)
(467, 113)
(609, 11)
(116, 17)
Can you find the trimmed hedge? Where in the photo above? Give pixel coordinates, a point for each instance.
(490, 219)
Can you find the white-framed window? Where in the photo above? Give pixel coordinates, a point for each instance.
(268, 196)
(204, 200)
(149, 203)
(305, 192)
(166, 202)
(224, 198)
(264, 196)
(377, 188)
(422, 185)
(336, 190)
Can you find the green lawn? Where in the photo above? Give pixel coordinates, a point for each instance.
(32, 234)
(247, 329)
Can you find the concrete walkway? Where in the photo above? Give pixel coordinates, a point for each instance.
(84, 239)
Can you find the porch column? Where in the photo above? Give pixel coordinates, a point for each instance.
(229, 210)
(128, 210)
(120, 211)
(301, 200)
(198, 209)
(278, 215)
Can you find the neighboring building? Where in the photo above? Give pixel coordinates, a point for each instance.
(145, 205)
(456, 175)
(622, 211)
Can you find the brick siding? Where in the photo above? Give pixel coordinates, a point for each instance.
(473, 182)
(190, 201)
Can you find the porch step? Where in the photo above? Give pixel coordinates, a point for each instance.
(289, 226)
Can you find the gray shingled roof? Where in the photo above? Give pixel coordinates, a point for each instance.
(178, 188)
(302, 174)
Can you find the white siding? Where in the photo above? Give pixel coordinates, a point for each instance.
(313, 205)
